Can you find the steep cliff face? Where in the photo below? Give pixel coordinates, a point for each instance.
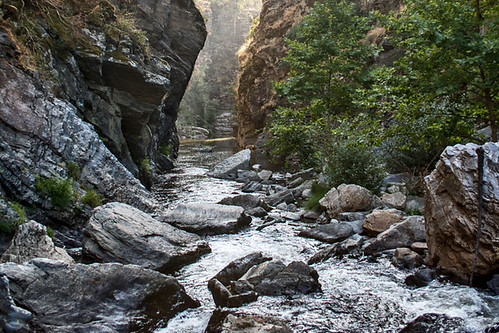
(125, 71)
(260, 64)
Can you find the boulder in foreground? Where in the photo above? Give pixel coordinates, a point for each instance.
(117, 232)
(94, 298)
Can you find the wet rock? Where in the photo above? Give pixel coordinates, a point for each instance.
(12, 317)
(223, 297)
(419, 247)
(31, 241)
(401, 234)
(227, 322)
(265, 174)
(347, 198)
(406, 258)
(247, 175)
(251, 187)
(451, 211)
(380, 220)
(275, 199)
(120, 233)
(237, 268)
(266, 270)
(433, 322)
(208, 219)
(94, 298)
(329, 233)
(350, 246)
(311, 216)
(228, 168)
(247, 201)
(352, 216)
(493, 328)
(421, 278)
(493, 284)
(395, 200)
(257, 212)
(296, 278)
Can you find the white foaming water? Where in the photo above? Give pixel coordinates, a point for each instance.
(358, 295)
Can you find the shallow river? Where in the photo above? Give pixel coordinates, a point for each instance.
(358, 295)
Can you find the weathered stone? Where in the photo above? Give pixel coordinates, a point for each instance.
(225, 298)
(395, 200)
(228, 167)
(95, 298)
(257, 212)
(296, 278)
(352, 216)
(493, 284)
(311, 216)
(419, 247)
(451, 211)
(415, 204)
(279, 197)
(225, 322)
(432, 322)
(247, 201)
(237, 268)
(380, 220)
(396, 179)
(330, 233)
(401, 234)
(208, 219)
(350, 246)
(298, 191)
(265, 174)
(406, 258)
(12, 317)
(347, 198)
(31, 241)
(247, 175)
(120, 233)
(252, 186)
(266, 270)
(421, 278)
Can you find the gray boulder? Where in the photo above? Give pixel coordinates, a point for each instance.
(350, 246)
(94, 298)
(228, 168)
(208, 218)
(275, 199)
(433, 322)
(395, 200)
(227, 322)
(401, 234)
(12, 317)
(247, 201)
(329, 233)
(120, 233)
(406, 258)
(266, 270)
(347, 198)
(421, 278)
(31, 241)
(451, 211)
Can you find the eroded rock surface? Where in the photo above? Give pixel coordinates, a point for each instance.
(120, 233)
(451, 211)
(94, 298)
(347, 198)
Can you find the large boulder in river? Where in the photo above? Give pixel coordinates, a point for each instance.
(120, 233)
(93, 298)
(347, 198)
(208, 219)
(223, 321)
(451, 211)
(330, 233)
(401, 234)
(31, 241)
(228, 167)
(380, 220)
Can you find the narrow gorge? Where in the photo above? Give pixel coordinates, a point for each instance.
(189, 166)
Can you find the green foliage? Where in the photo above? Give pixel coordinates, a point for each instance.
(50, 232)
(353, 164)
(73, 170)
(145, 165)
(328, 67)
(9, 226)
(60, 191)
(92, 198)
(413, 211)
(318, 191)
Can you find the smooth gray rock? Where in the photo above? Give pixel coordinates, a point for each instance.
(228, 167)
(433, 322)
(350, 246)
(251, 187)
(406, 258)
(347, 198)
(268, 269)
(12, 317)
(395, 200)
(275, 199)
(247, 201)
(380, 220)
(31, 241)
(265, 174)
(237, 268)
(226, 322)
(421, 278)
(208, 219)
(94, 298)
(329, 233)
(401, 234)
(451, 211)
(120, 233)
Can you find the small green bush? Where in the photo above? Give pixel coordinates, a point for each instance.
(50, 232)
(352, 164)
(61, 191)
(92, 198)
(73, 170)
(9, 226)
(318, 191)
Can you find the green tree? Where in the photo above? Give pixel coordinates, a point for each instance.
(445, 87)
(328, 69)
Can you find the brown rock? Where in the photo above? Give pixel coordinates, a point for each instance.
(451, 211)
(347, 198)
(394, 200)
(380, 220)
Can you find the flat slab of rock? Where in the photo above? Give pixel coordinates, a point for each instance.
(247, 201)
(31, 241)
(117, 232)
(226, 322)
(94, 298)
(329, 233)
(401, 234)
(227, 169)
(347, 198)
(208, 218)
(380, 220)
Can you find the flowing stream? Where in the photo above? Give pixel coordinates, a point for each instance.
(359, 295)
